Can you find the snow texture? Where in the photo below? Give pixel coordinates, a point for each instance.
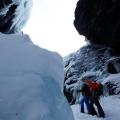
(31, 81)
(110, 105)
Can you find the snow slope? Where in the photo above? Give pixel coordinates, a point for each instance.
(31, 81)
(111, 106)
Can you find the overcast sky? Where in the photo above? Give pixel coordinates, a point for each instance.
(51, 26)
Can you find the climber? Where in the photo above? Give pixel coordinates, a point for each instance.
(96, 90)
(85, 97)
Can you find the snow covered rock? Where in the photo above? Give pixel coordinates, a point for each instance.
(14, 15)
(92, 59)
(31, 81)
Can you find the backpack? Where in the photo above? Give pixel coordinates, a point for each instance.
(96, 89)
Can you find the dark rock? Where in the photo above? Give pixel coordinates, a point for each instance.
(99, 21)
(7, 20)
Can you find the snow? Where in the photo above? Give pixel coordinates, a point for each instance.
(112, 77)
(89, 75)
(22, 13)
(111, 106)
(31, 81)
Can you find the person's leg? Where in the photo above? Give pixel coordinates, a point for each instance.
(92, 109)
(82, 105)
(100, 110)
(86, 99)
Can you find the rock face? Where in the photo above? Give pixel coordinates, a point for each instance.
(91, 59)
(99, 21)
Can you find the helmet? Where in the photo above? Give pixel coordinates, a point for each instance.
(13, 15)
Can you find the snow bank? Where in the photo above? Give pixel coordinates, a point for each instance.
(31, 81)
(110, 105)
(112, 77)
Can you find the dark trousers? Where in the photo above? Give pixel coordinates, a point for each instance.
(97, 103)
(85, 100)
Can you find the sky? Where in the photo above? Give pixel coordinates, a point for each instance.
(51, 26)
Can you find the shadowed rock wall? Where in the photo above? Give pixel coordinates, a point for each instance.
(99, 21)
